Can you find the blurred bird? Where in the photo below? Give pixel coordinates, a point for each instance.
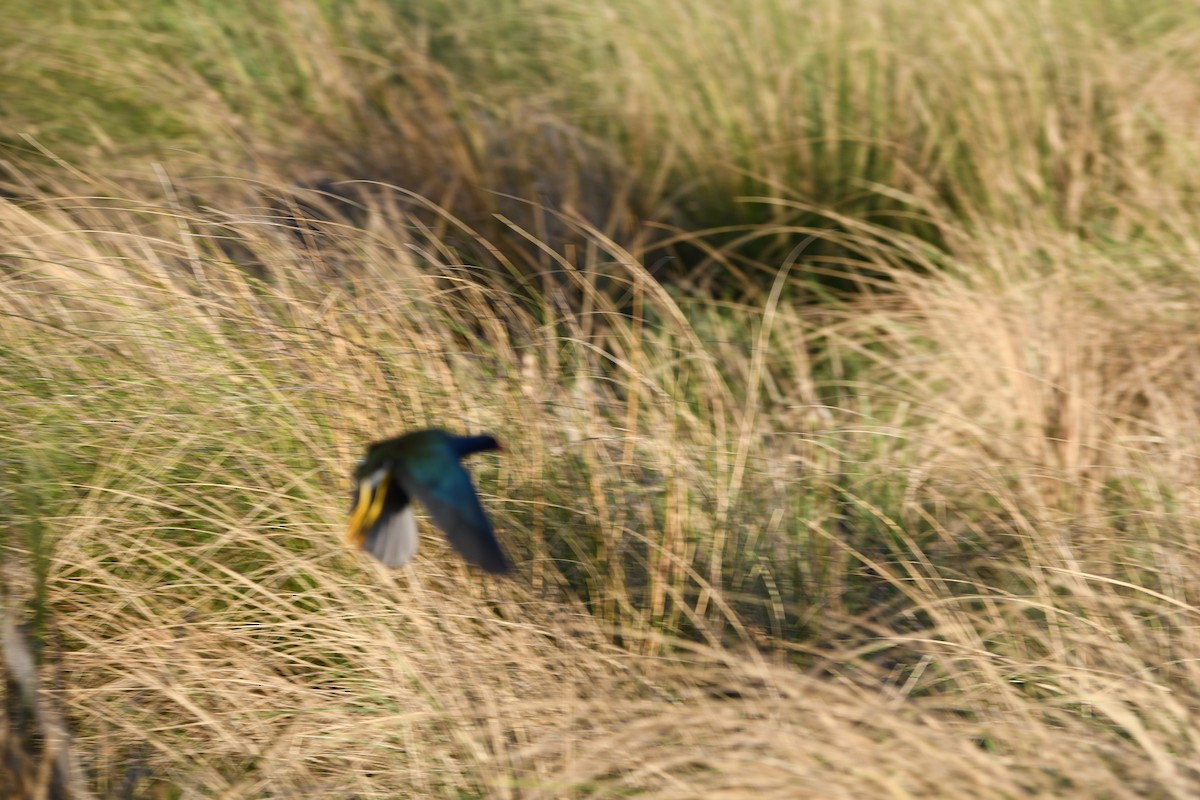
(422, 465)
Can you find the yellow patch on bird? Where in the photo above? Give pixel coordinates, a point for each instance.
(366, 511)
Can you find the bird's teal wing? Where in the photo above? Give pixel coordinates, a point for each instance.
(381, 519)
(445, 489)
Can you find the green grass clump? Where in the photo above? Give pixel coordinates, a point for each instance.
(648, 119)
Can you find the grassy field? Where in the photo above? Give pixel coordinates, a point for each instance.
(846, 357)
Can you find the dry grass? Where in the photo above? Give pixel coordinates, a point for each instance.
(679, 113)
(932, 537)
(972, 577)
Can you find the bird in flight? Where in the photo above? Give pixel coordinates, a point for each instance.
(423, 465)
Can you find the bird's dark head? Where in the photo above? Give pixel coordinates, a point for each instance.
(426, 444)
(465, 445)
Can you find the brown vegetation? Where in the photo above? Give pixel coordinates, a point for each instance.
(905, 510)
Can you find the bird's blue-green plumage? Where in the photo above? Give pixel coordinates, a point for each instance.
(424, 465)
